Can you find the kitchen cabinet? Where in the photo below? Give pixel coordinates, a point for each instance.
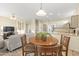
(74, 43)
(74, 21)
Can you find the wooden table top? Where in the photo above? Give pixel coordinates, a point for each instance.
(49, 41)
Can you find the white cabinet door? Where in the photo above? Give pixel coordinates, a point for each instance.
(78, 21)
(74, 21)
(74, 43)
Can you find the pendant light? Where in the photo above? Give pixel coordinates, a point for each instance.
(41, 12)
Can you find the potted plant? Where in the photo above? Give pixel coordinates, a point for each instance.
(42, 35)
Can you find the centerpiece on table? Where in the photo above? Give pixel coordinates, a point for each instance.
(42, 35)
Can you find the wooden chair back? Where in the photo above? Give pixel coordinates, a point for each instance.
(66, 41)
(49, 51)
(23, 41)
(64, 44)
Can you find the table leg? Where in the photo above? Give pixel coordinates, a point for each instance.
(36, 52)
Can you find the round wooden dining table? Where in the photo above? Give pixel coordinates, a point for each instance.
(39, 42)
(51, 41)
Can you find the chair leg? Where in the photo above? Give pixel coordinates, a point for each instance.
(60, 53)
(22, 53)
(35, 53)
(66, 52)
(40, 53)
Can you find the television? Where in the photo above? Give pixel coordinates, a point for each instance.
(8, 29)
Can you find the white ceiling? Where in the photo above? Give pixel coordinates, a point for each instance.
(27, 10)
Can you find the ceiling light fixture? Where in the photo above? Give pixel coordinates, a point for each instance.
(41, 12)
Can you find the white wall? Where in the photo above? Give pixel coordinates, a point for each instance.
(31, 25)
(5, 21)
(59, 25)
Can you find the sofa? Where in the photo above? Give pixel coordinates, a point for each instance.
(13, 42)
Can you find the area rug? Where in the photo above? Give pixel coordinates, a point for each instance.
(18, 52)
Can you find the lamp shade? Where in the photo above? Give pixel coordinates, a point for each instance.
(41, 13)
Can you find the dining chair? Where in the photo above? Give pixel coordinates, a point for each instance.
(27, 47)
(64, 44)
(49, 51)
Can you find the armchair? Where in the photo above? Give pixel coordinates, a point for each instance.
(13, 42)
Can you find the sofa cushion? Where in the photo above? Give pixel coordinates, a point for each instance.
(1, 43)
